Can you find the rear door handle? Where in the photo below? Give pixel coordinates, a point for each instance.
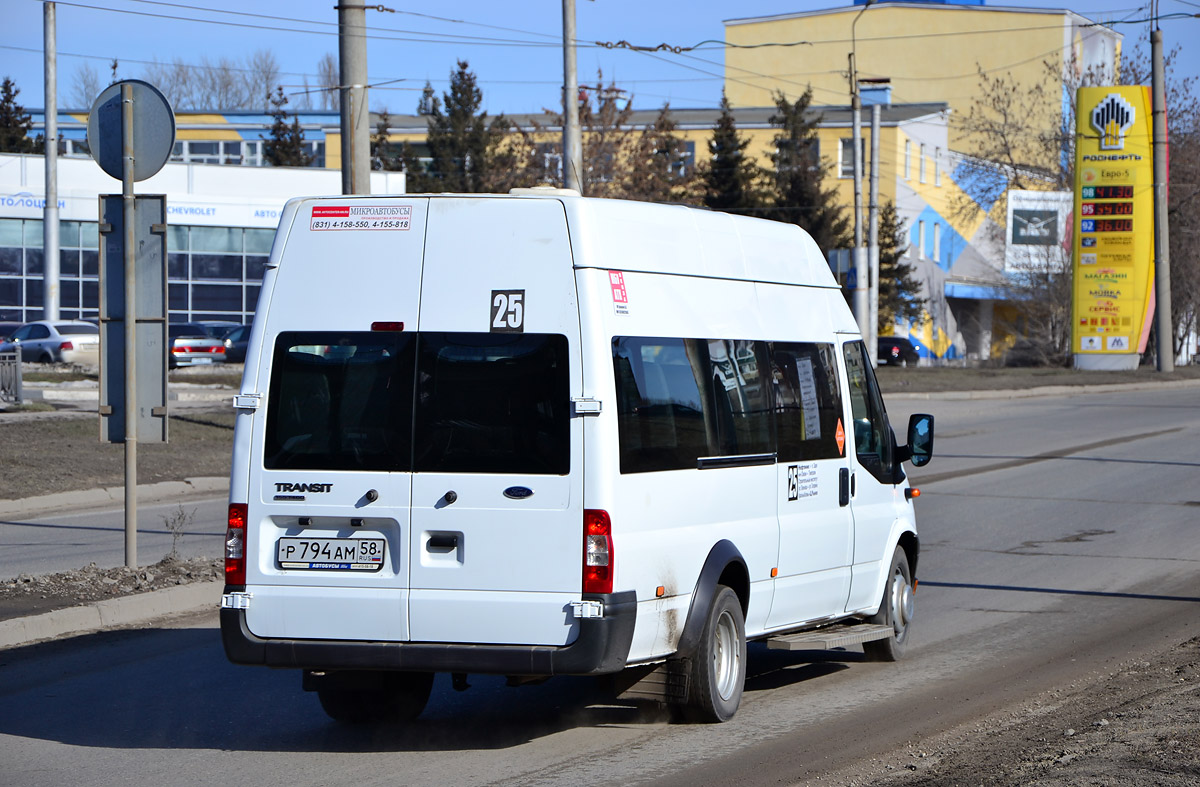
(443, 542)
(844, 486)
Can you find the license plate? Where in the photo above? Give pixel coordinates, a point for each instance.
(331, 554)
(202, 360)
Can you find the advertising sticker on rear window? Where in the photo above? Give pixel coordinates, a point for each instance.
(360, 217)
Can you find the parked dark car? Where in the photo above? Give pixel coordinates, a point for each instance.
(235, 344)
(191, 345)
(7, 329)
(897, 351)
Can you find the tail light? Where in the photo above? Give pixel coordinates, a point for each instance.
(220, 348)
(66, 346)
(597, 552)
(235, 545)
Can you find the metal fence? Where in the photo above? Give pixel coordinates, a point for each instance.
(10, 377)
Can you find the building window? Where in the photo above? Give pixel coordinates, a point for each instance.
(846, 156)
(921, 162)
(908, 159)
(921, 240)
(937, 241)
(937, 166)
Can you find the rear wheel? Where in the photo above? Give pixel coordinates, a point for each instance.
(46, 358)
(895, 609)
(718, 668)
(365, 697)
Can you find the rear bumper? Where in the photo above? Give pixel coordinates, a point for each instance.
(602, 647)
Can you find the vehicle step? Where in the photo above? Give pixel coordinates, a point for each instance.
(831, 637)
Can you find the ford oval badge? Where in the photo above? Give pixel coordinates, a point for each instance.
(518, 492)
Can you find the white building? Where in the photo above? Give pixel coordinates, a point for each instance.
(221, 220)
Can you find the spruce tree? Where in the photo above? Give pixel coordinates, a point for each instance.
(462, 142)
(285, 147)
(656, 170)
(15, 122)
(383, 154)
(799, 175)
(898, 286)
(731, 179)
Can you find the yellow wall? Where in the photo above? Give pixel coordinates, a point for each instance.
(931, 54)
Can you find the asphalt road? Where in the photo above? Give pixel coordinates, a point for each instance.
(1060, 535)
(69, 540)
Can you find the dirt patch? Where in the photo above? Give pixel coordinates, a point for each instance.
(1135, 726)
(30, 594)
(60, 454)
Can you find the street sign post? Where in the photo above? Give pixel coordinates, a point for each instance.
(131, 131)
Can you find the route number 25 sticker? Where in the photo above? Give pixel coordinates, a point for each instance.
(508, 311)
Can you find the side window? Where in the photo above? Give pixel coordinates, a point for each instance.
(22, 333)
(681, 400)
(872, 436)
(807, 401)
(39, 332)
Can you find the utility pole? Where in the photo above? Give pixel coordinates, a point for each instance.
(1162, 234)
(50, 246)
(873, 240)
(861, 274)
(356, 119)
(572, 161)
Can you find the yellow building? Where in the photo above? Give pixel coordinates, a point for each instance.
(938, 52)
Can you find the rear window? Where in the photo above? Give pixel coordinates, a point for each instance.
(478, 402)
(78, 330)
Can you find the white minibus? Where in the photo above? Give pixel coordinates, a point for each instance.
(538, 434)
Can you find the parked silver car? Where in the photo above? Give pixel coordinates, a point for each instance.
(56, 341)
(191, 345)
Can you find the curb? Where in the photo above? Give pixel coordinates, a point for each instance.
(110, 613)
(1044, 390)
(91, 396)
(147, 493)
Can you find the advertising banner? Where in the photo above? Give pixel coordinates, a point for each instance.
(1039, 231)
(1114, 227)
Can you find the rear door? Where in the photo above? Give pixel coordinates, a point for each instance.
(496, 543)
(328, 514)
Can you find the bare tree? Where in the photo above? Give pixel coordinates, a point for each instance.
(85, 85)
(1183, 206)
(328, 81)
(262, 68)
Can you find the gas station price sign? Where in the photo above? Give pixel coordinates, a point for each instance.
(1114, 226)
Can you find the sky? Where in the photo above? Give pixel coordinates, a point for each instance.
(514, 48)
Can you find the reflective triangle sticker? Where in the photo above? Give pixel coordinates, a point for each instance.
(840, 434)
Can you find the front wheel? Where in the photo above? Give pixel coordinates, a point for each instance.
(718, 668)
(895, 609)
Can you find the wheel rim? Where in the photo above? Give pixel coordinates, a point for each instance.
(727, 656)
(903, 603)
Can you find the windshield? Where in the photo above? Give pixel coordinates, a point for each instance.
(484, 403)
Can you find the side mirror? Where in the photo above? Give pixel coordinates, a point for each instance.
(920, 440)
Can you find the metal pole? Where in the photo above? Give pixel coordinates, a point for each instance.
(1162, 234)
(356, 121)
(50, 246)
(572, 162)
(861, 285)
(130, 318)
(873, 238)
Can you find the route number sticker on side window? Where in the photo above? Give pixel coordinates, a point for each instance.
(508, 311)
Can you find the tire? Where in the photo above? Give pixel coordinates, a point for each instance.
(895, 609)
(46, 358)
(718, 667)
(365, 698)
